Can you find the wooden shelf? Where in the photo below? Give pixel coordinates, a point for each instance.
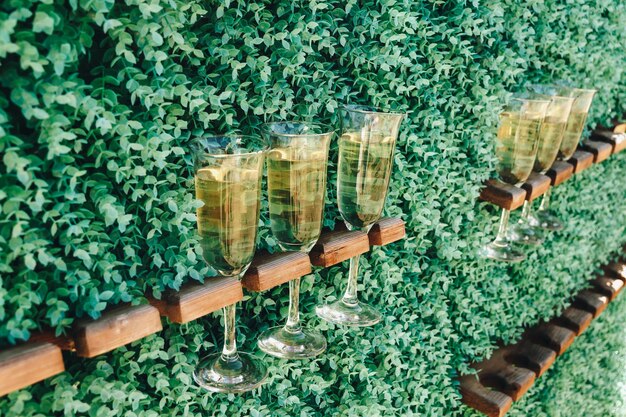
(386, 231)
(503, 195)
(536, 186)
(600, 150)
(270, 270)
(616, 140)
(581, 161)
(27, 364)
(511, 370)
(560, 172)
(117, 327)
(336, 246)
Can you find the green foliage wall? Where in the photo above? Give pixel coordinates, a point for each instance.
(101, 98)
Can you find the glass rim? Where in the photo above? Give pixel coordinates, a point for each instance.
(328, 130)
(529, 100)
(365, 109)
(264, 145)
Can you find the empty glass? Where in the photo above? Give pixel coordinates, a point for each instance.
(366, 148)
(228, 172)
(516, 150)
(296, 179)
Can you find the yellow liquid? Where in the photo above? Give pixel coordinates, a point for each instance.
(364, 170)
(516, 146)
(550, 138)
(296, 188)
(227, 223)
(573, 132)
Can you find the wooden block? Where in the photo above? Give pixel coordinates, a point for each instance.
(489, 402)
(270, 270)
(575, 319)
(503, 195)
(559, 172)
(552, 336)
(536, 185)
(591, 301)
(617, 140)
(196, 300)
(600, 150)
(531, 356)
(387, 230)
(502, 376)
(617, 270)
(336, 246)
(25, 365)
(581, 161)
(117, 327)
(47, 335)
(608, 286)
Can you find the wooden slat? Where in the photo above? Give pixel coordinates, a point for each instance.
(47, 335)
(617, 270)
(531, 356)
(616, 140)
(27, 364)
(117, 327)
(581, 160)
(553, 337)
(503, 195)
(502, 376)
(591, 301)
(600, 150)
(489, 402)
(536, 185)
(197, 300)
(559, 172)
(336, 246)
(270, 270)
(608, 286)
(575, 319)
(386, 230)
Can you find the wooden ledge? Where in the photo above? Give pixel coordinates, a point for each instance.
(553, 337)
(600, 150)
(581, 161)
(28, 364)
(616, 140)
(116, 327)
(503, 195)
(608, 286)
(536, 185)
(616, 270)
(476, 395)
(336, 246)
(197, 300)
(591, 301)
(386, 231)
(559, 172)
(270, 270)
(497, 373)
(575, 319)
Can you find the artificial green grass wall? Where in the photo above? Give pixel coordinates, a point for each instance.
(100, 100)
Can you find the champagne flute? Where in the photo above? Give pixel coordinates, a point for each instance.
(516, 149)
(366, 149)
(228, 171)
(544, 218)
(550, 138)
(296, 179)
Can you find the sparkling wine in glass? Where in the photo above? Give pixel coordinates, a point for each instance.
(228, 171)
(366, 148)
(544, 218)
(516, 149)
(550, 137)
(296, 179)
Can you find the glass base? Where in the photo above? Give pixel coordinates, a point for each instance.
(545, 220)
(282, 343)
(502, 252)
(359, 314)
(242, 374)
(525, 234)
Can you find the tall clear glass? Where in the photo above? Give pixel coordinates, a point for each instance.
(366, 148)
(544, 218)
(228, 172)
(296, 180)
(550, 138)
(516, 150)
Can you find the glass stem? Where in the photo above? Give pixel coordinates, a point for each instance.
(501, 238)
(526, 212)
(293, 317)
(229, 352)
(350, 296)
(545, 201)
